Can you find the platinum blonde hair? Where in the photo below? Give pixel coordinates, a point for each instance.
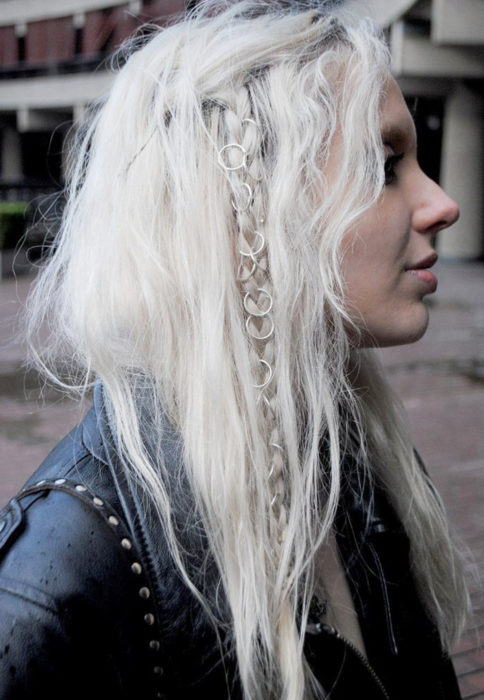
(147, 292)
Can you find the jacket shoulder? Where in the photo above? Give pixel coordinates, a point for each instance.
(75, 456)
(69, 460)
(73, 586)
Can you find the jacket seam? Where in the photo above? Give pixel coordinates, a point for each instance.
(31, 594)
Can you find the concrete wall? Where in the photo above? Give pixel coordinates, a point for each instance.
(462, 173)
(414, 55)
(18, 11)
(437, 49)
(53, 92)
(458, 22)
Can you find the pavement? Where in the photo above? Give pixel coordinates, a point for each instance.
(440, 380)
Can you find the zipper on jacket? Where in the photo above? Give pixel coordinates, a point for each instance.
(356, 652)
(386, 601)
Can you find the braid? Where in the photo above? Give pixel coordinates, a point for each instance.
(240, 159)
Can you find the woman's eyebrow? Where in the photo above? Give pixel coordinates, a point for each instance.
(397, 134)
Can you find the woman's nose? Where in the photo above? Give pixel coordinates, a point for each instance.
(435, 209)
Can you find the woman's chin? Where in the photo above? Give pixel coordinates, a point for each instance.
(399, 329)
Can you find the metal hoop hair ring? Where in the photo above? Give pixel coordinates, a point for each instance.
(263, 397)
(231, 168)
(259, 337)
(248, 120)
(258, 313)
(278, 447)
(268, 378)
(249, 199)
(248, 275)
(252, 252)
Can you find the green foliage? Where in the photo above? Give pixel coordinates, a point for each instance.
(13, 219)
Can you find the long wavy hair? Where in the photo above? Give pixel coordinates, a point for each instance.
(199, 260)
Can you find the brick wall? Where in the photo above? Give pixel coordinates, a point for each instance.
(53, 41)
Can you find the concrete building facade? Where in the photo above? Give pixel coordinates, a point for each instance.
(53, 64)
(437, 49)
(54, 59)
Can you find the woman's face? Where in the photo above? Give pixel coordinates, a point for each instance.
(388, 253)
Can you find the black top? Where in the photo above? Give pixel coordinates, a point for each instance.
(92, 605)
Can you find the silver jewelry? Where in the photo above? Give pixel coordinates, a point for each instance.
(252, 253)
(232, 168)
(248, 202)
(258, 312)
(266, 336)
(257, 304)
(268, 376)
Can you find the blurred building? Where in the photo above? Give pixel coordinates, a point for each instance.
(437, 49)
(53, 63)
(54, 60)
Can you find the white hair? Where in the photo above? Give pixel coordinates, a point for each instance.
(144, 294)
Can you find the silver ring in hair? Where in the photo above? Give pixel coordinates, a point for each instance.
(248, 120)
(259, 250)
(244, 277)
(263, 397)
(231, 168)
(259, 337)
(268, 378)
(258, 313)
(249, 199)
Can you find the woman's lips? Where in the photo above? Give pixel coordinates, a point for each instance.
(422, 273)
(426, 277)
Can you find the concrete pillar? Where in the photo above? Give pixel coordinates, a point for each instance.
(462, 172)
(11, 155)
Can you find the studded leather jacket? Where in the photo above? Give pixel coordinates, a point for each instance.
(92, 606)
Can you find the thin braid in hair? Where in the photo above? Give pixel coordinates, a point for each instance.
(240, 158)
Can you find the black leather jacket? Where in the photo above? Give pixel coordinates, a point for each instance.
(92, 606)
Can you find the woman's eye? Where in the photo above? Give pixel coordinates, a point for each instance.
(390, 165)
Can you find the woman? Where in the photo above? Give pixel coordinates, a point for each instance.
(241, 514)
